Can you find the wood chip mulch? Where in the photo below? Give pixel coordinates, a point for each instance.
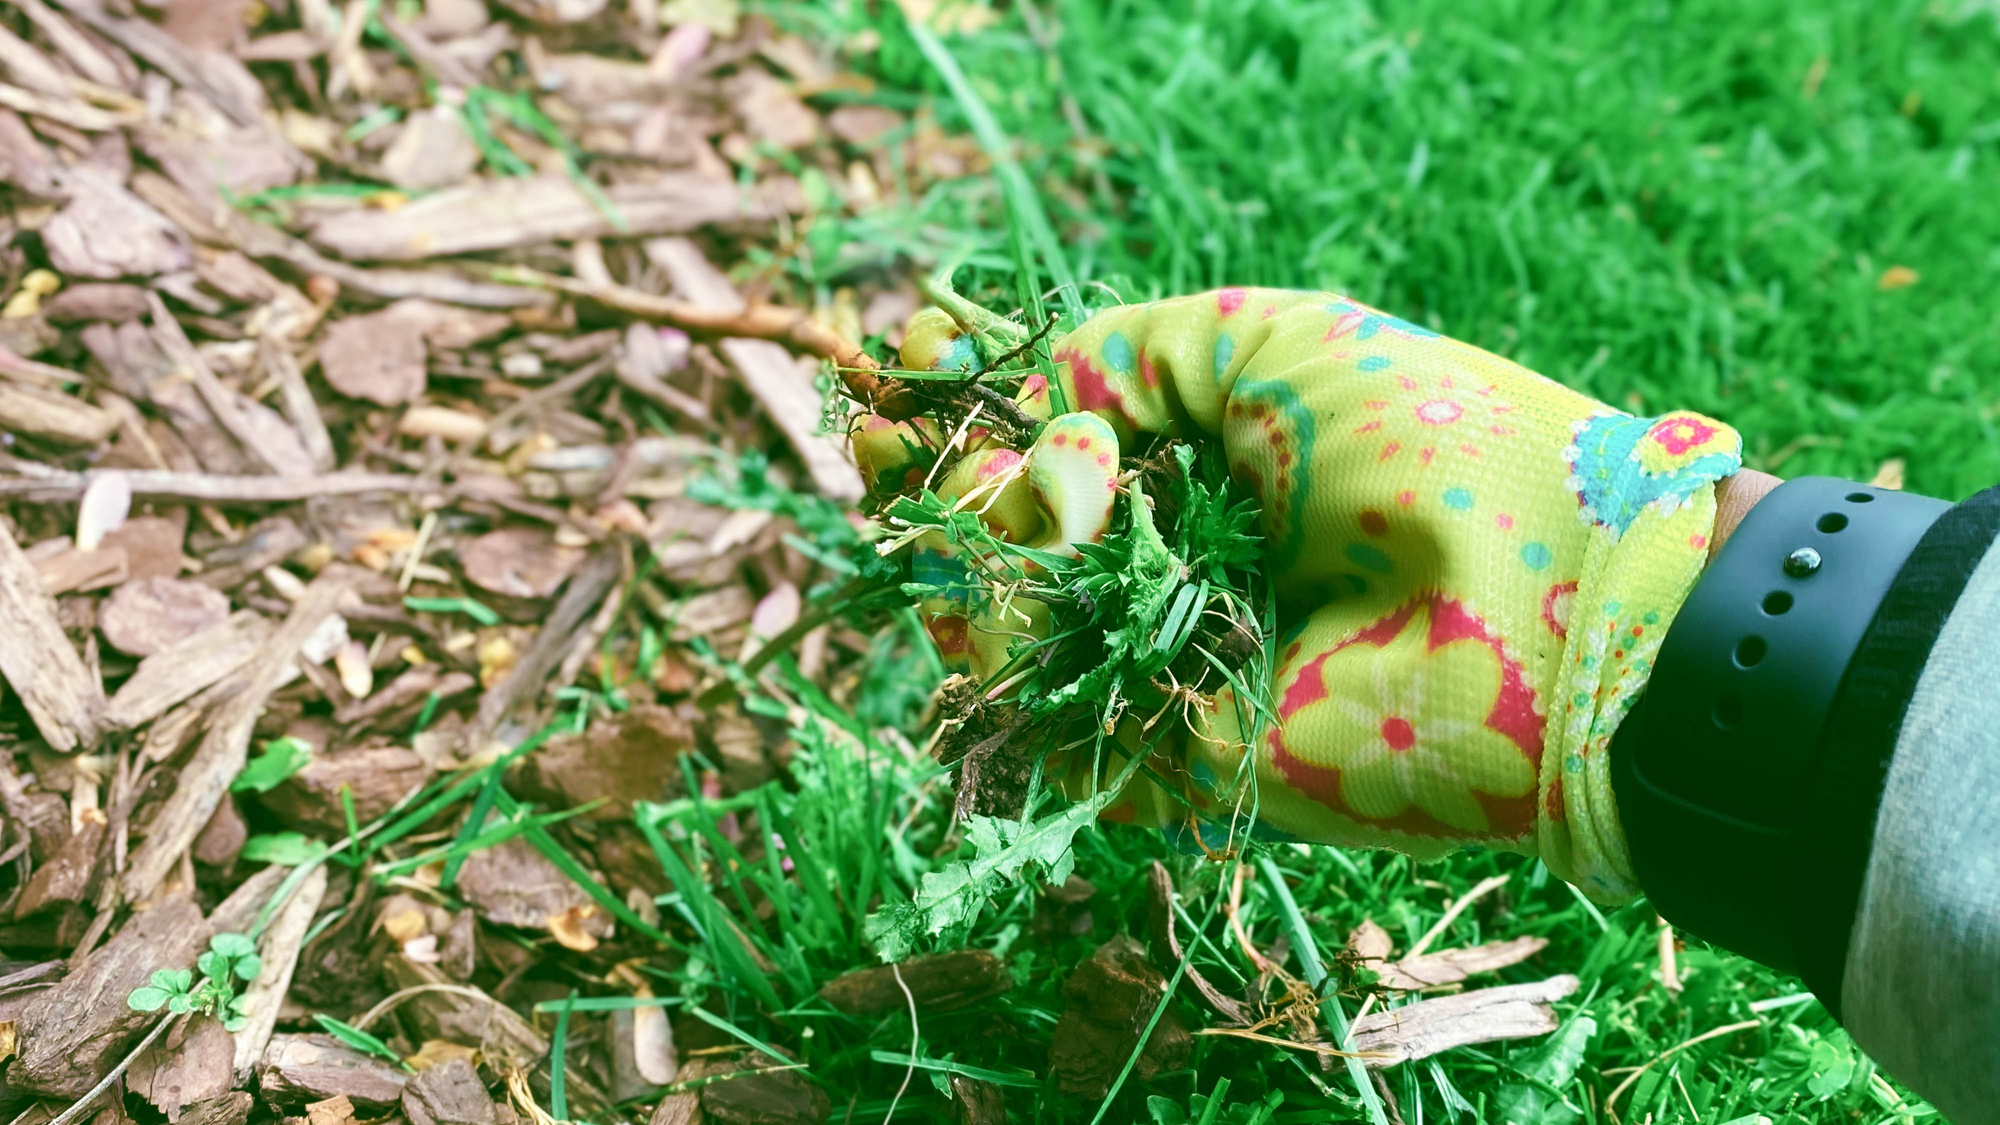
(354, 363)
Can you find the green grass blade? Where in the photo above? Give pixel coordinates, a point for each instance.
(1315, 972)
(1023, 203)
(558, 1053)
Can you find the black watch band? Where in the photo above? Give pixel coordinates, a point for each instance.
(1713, 766)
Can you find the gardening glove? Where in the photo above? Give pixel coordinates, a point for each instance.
(1474, 565)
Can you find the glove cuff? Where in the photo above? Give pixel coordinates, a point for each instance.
(1728, 773)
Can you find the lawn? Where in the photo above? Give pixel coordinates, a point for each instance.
(1779, 214)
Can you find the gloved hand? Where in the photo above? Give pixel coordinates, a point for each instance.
(1474, 564)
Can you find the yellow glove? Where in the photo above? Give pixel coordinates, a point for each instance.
(1474, 565)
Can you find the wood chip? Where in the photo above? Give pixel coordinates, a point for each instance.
(379, 357)
(1111, 1000)
(176, 673)
(65, 878)
(520, 562)
(469, 1015)
(1486, 1015)
(453, 426)
(783, 384)
(448, 1094)
(72, 570)
(225, 748)
(73, 1033)
(65, 699)
(106, 232)
(374, 778)
(232, 1108)
(53, 416)
(300, 1069)
(633, 755)
(150, 615)
(555, 11)
(222, 838)
(771, 1096)
(862, 126)
(1430, 970)
(1370, 945)
(151, 544)
(504, 213)
(95, 300)
(512, 884)
(336, 1110)
(192, 1064)
(936, 984)
(776, 612)
(771, 112)
(432, 151)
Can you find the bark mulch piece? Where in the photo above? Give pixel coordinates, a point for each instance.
(1112, 997)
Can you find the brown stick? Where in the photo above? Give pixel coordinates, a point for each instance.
(222, 402)
(298, 400)
(587, 587)
(41, 483)
(64, 698)
(44, 375)
(266, 994)
(791, 327)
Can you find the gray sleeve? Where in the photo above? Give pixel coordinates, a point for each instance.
(1921, 987)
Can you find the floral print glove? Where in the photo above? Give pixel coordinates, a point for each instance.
(1475, 565)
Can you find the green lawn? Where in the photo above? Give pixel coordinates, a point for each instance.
(1703, 204)
(1665, 204)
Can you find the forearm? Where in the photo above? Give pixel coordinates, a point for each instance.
(1839, 821)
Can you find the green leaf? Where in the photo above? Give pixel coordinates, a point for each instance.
(280, 759)
(147, 999)
(212, 964)
(176, 981)
(248, 966)
(1003, 849)
(180, 1004)
(358, 1039)
(1836, 1067)
(233, 945)
(1552, 1066)
(285, 849)
(235, 1024)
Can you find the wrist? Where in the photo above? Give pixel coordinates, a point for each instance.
(1735, 495)
(1728, 798)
